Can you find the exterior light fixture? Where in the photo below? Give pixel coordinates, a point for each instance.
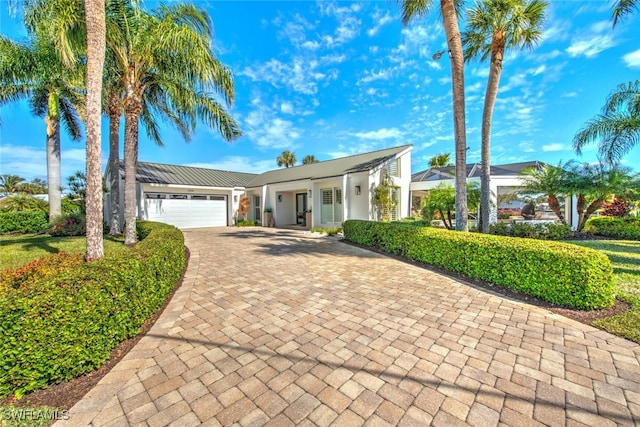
(309, 193)
(235, 198)
(436, 56)
(279, 197)
(357, 190)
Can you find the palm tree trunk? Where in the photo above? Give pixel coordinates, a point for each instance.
(114, 165)
(96, 39)
(54, 174)
(554, 205)
(454, 44)
(495, 70)
(130, 166)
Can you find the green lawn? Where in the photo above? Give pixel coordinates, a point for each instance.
(18, 250)
(625, 256)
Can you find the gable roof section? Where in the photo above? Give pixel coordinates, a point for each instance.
(473, 171)
(329, 168)
(159, 173)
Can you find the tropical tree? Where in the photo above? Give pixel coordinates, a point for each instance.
(23, 202)
(35, 71)
(617, 127)
(418, 8)
(165, 62)
(441, 200)
(77, 186)
(550, 181)
(494, 26)
(31, 188)
(594, 184)
(384, 199)
(10, 184)
(96, 44)
(286, 159)
(623, 8)
(308, 159)
(440, 160)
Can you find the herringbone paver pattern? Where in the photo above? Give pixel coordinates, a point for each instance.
(275, 328)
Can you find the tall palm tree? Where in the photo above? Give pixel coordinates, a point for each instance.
(492, 27)
(167, 67)
(286, 159)
(617, 127)
(36, 72)
(308, 159)
(440, 160)
(419, 8)
(96, 40)
(623, 8)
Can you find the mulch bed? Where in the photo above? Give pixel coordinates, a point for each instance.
(67, 394)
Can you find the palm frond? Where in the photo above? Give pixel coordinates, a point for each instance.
(414, 9)
(623, 8)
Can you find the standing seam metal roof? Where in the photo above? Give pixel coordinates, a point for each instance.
(473, 170)
(158, 173)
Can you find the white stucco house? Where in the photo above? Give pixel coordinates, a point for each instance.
(333, 190)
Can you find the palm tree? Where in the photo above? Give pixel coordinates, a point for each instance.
(440, 160)
(36, 72)
(10, 184)
(167, 67)
(419, 8)
(617, 127)
(308, 159)
(550, 181)
(286, 159)
(494, 26)
(96, 40)
(623, 8)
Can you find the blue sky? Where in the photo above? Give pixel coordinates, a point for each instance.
(339, 78)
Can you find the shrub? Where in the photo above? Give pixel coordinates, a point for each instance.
(618, 208)
(39, 269)
(73, 224)
(532, 231)
(329, 231)
(620, 228)
(560, 273)
(246, 223)
(23, 222)
(65, 325)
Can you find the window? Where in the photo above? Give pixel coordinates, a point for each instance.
(194, 197)
(394, 168)
(331, 209)
(178, 196)
(256, 208)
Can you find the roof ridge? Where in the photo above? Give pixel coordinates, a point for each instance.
(191, 167)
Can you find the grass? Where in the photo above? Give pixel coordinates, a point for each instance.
(625, 257)
(20, 249)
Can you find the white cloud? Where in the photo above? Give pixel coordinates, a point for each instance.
(444, 80)
(590, 43)
(301, 75)
(311, 45)
(527, 147)
(555, 147)
(480, 72)
(371, 76)
(379, 22)
(379, 134)
(286, 107)
(267, 130)
(632, 59)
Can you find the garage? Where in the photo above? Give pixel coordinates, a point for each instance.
(187, 210)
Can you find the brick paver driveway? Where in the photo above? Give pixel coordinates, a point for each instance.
(274, 327)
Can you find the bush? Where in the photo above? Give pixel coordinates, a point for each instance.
(73, 224)
(560, 273)
(532, 231)
(246, 223)
(23, 222)
(620, 228)
(39, 269)
(329, 231)
(65, 325)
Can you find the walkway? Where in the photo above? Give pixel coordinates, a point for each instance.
(275, 327)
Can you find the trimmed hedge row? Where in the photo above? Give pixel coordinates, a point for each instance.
(23, 222)
(560, 273)
(61, 327)
(620, 228)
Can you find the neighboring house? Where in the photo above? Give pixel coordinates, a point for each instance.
(333, 190)
(505, 179)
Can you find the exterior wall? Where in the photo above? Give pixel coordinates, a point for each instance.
(357, 205)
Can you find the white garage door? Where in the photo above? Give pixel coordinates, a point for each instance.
(187, 211)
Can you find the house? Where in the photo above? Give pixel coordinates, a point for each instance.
(505, 180)
(333, 190)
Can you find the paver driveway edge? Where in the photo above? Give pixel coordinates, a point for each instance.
(272, 327)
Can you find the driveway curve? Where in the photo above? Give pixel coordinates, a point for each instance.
(274, 327)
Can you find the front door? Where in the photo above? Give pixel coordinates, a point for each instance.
(301, 207)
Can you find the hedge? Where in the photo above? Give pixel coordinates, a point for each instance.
(23, 222)
(620, 228)
(61, 327)
(561, 273)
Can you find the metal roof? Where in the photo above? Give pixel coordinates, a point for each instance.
(159, 173)
(329, 168)
(473, 171)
